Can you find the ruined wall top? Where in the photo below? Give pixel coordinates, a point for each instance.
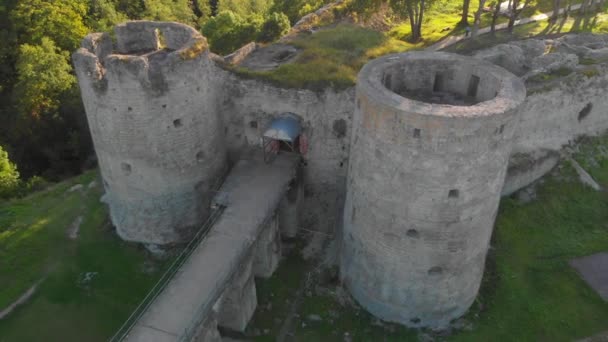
(141, 49)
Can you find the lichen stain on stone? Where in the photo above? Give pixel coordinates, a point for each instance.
(198, 46)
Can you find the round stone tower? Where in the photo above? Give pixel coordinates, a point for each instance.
(430, 144)
(158, 137)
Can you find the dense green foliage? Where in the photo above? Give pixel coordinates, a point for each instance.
(89, 282)
(9, 176)
(43, 125)
(43, 122)
(275, 26)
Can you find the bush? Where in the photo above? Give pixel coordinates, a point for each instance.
(296, 9)
(228, 31)
(9, 176)
(34, 184)
(275, 26)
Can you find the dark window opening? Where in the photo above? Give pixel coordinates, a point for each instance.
(438, 85)
(453, 193)
(129, 109)
(435, 270)
(501, 129)
(388, 81)
(177, 123)
(126, 168)
(585, 111)
(473, 85)
(164, 106)
(286, 147)
(200, 156)
(253, 124)
(412, 233)
(416, 132)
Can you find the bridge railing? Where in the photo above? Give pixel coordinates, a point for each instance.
(167, 276)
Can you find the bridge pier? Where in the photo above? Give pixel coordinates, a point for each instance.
(268, 250)
(288, 212)
(207, 331)
(239, 300)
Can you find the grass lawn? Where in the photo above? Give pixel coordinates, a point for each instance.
(34, 245)
(529, 292)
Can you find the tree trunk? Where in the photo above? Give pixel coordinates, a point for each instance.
(512, 15)
(495, 17)
(412, 17)
(421, 14)
(478, 18)
(465, 12)
(415, 12)
(556, 4)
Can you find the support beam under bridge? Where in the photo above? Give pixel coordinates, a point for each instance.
(215, 285)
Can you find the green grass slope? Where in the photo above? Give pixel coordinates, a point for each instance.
(34, 245)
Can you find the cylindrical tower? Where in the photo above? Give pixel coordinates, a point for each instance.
(429, 149)
(158, 137)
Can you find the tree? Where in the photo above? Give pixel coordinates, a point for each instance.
(477, 19)
(495, 14)
(514, 13)
(171, 10)
(275, 26)
(464, 20)
(9, 176)
(555, 14)
(60, 20)
(43, 73)
(202, 10)
(414, 10)
(103, 16)
(228, 31)
(245, 8)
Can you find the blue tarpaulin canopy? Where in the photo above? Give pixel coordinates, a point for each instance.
(287, 127)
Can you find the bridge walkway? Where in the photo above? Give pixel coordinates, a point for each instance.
(249, 198)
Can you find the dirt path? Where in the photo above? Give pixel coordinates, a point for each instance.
(21, 300)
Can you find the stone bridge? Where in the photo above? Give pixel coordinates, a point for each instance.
(215, 285)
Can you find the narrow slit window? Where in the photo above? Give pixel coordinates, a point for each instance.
(438, 84)
(126, 168)
(416, 132)
(388, 81)
(453, 193)
(473, 86)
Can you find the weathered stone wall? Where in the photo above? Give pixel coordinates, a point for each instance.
(153, 117)
(558, 113)
(567, 83)
(424, 185)
(248, 107)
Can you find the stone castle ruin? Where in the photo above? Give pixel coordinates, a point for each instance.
(408, 168)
